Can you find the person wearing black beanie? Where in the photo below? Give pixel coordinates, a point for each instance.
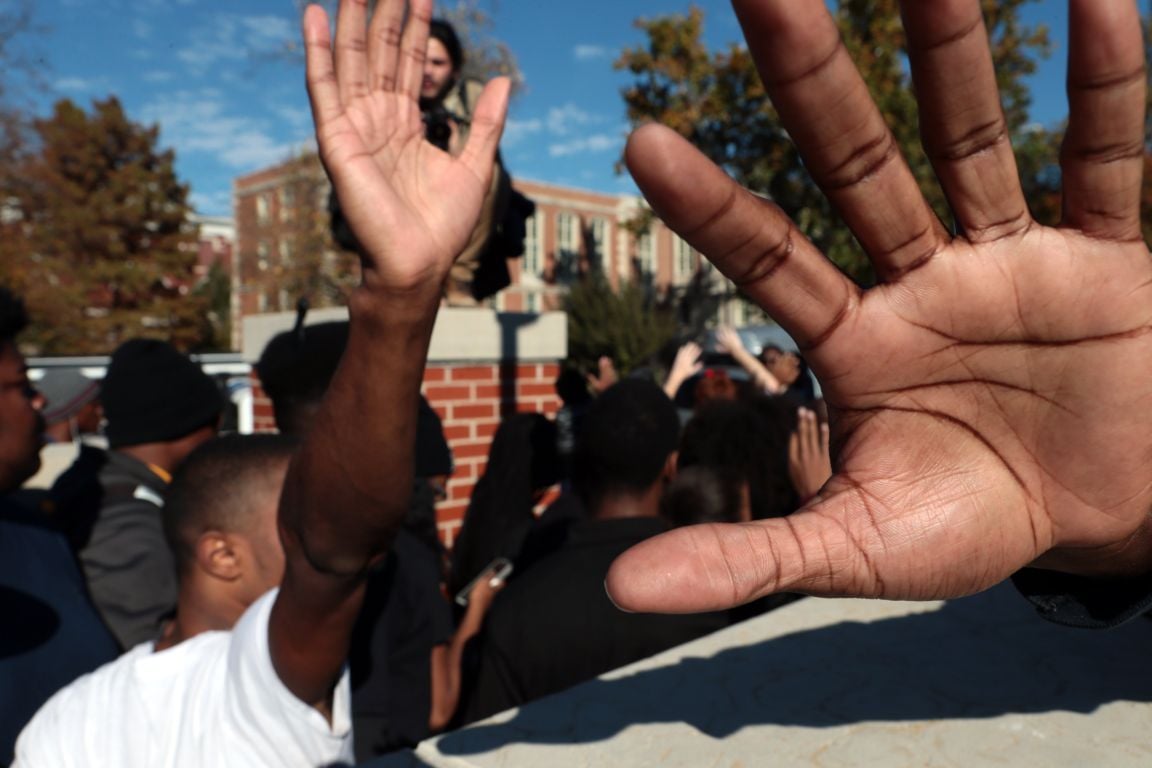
(159, 406)
(154, 394)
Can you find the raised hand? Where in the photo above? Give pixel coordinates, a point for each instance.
(685, 365)
(990, 398)
(728, 340)
(604, 377)
(411, 206)
(809, 461)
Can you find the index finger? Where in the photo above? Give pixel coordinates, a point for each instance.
(847, 147)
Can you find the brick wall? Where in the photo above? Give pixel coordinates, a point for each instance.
(482, 365)
(470, 399)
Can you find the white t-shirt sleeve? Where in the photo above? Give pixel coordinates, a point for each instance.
(269, 719)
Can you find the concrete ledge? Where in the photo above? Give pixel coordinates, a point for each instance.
(980, 681)
(461, 335)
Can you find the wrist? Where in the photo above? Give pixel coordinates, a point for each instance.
(1129, 558)
(371, 303)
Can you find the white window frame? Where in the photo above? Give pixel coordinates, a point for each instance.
(646, 253)
(534, 245)
(683, 263)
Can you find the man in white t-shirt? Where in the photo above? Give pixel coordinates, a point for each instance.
(272, 692)
(200, 694)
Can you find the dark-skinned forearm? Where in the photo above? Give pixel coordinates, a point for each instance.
(348, 489)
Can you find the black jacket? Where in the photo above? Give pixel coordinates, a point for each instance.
(110, 507)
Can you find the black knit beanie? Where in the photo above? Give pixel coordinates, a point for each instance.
(154, 394)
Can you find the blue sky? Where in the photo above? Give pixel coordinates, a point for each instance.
(211, 74)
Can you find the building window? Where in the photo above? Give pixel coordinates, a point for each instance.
(567, 246)
(287, 202)
(262, 256)
(532, 301)
(646, 254)
(533, 244)
(682, 258)
(740, 312)
(262, 209)
(285, 248)
(600, 249)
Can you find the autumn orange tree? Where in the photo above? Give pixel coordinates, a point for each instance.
(716, 100)
(96, 235)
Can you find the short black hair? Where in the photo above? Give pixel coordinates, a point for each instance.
(625, 439)
(702, 494)
(295, 370)
(13, 316)
(442, 30)
(296, 367)
(749, 439)
(219, 486)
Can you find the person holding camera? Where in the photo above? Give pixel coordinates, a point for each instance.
(447, 99)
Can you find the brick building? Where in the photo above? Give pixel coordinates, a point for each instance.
(216, 246)
(284, 249)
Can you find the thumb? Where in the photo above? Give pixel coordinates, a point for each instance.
(716, 566)
(487, 124)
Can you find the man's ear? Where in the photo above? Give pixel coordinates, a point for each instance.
(669, 473)
(217, 554)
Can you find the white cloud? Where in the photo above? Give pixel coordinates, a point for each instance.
(590, 52)
(516, 131)
(594, 144)
(198, 122)
(296, 117)
(217, 203)
(142, 29)
(569, 118)
(234, 38)
(79, 84)
(267, 32)
(569, 127)
(157, 76)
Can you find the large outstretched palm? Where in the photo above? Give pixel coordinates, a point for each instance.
(991, 398)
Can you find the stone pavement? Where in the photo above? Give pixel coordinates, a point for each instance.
(980, 681)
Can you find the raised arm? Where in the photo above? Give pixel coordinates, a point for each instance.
(685, 365)
(990, 401)
(411, 207)
(729, 341)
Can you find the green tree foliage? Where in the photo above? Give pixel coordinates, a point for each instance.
(215, 292)
(625, 324)
(96, 235)
(716, 100)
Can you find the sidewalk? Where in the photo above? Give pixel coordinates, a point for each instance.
(980, 681)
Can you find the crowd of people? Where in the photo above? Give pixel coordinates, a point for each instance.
(173, 524)
(185, 598)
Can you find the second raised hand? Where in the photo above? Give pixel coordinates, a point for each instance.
(411, 205)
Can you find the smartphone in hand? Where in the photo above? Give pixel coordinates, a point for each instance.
(499, 569)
